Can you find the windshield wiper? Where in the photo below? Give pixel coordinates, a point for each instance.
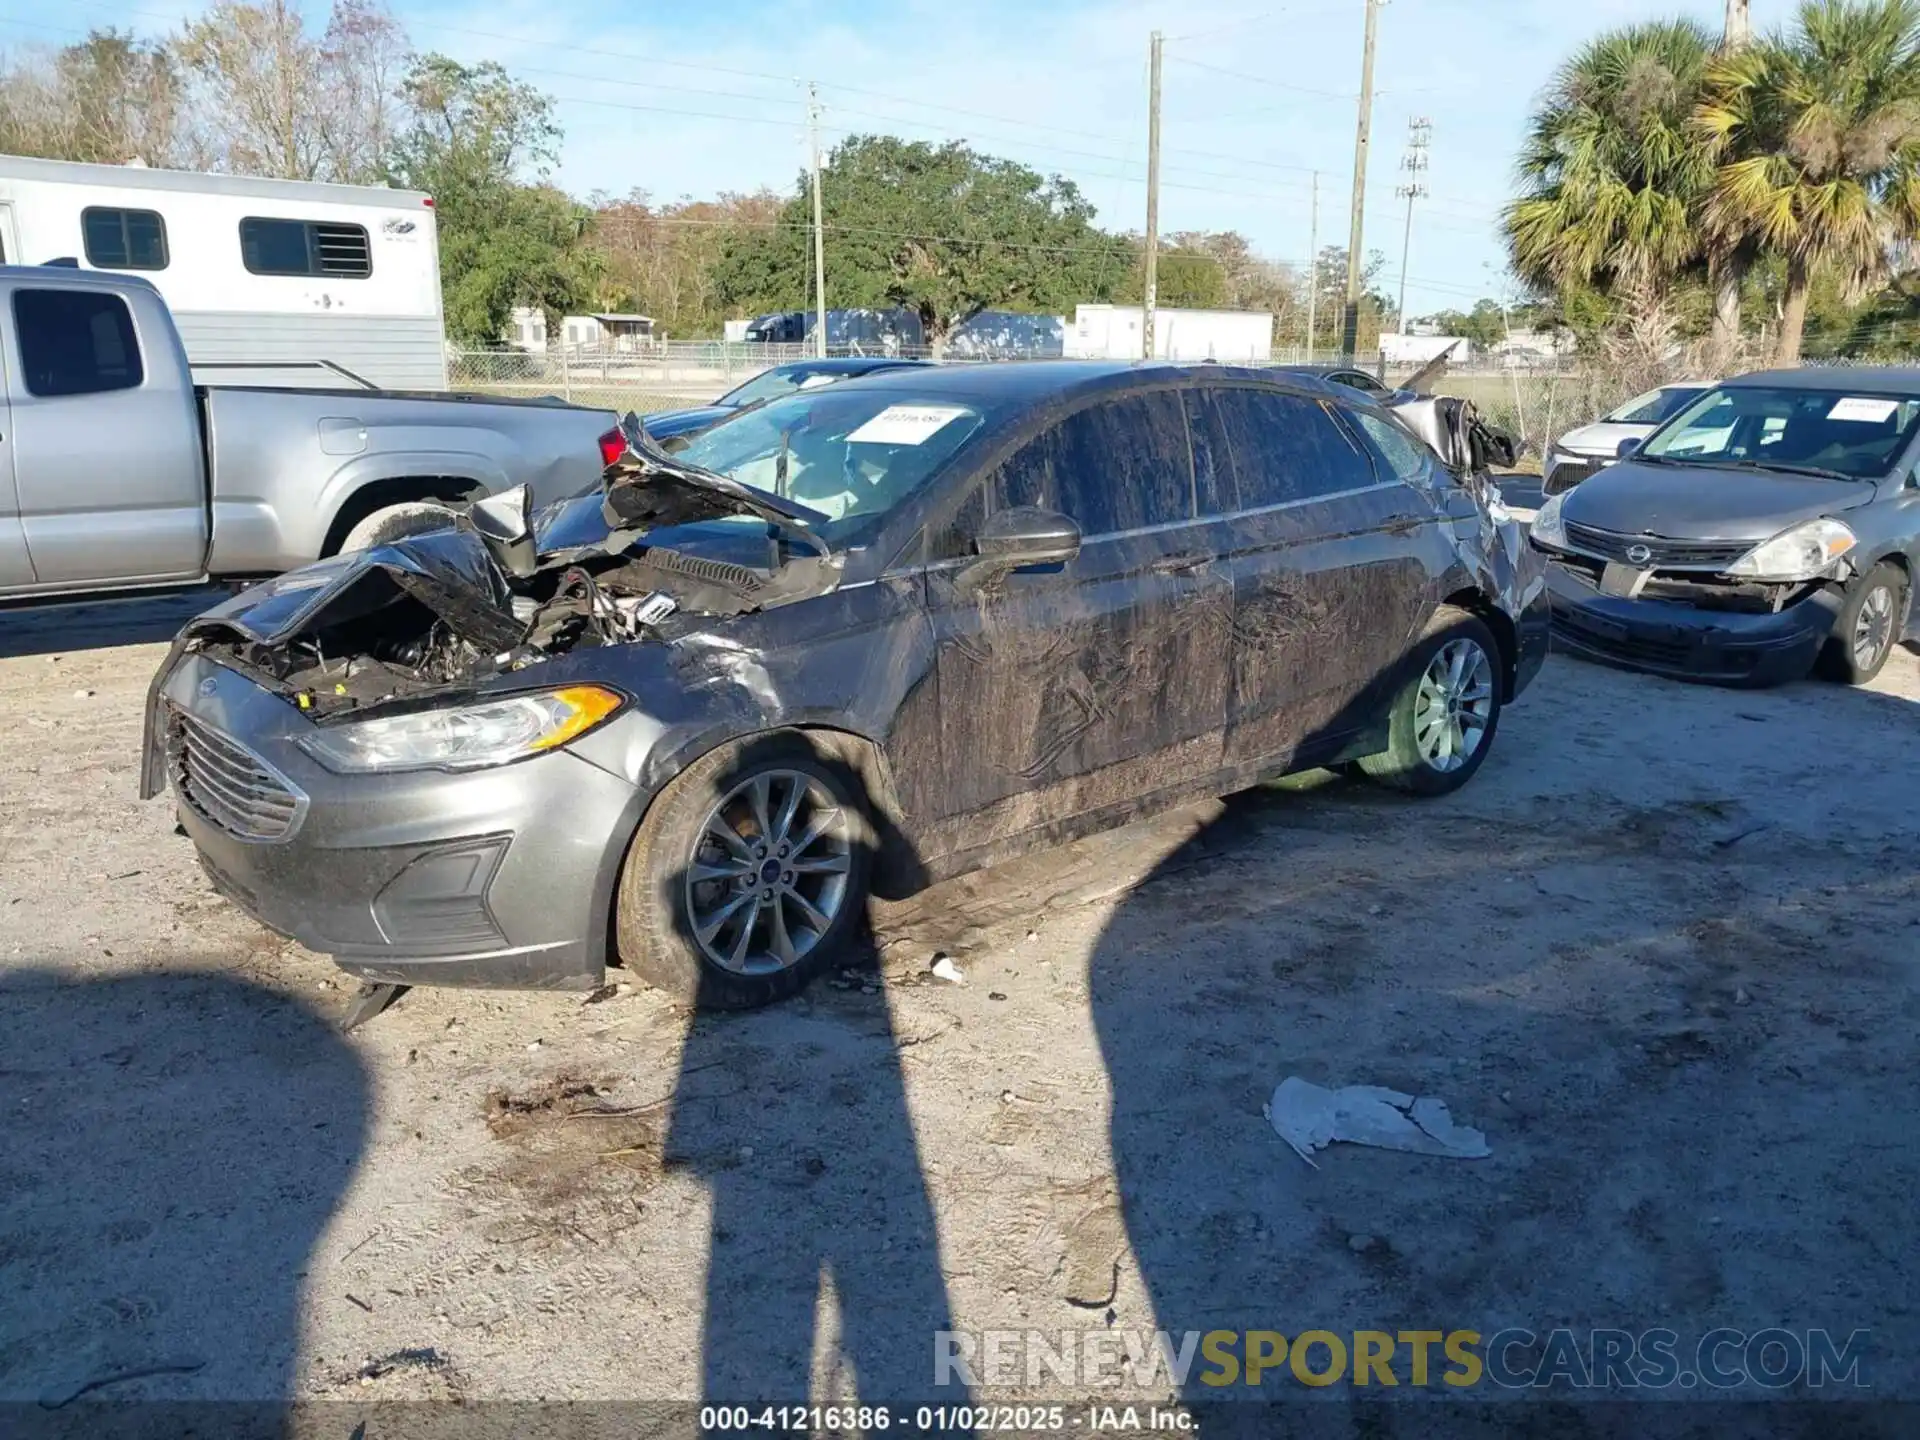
(1779, 467)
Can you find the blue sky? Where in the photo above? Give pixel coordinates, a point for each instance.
(690, 99)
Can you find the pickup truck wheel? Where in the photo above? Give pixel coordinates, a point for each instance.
(394, 522)
(1444, 718)
(1867, 628)
(748, 876)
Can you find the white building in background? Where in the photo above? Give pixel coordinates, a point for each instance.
(1416, 349)
(1114, 332)
(272, 282)
(606, 333)
(735, 331)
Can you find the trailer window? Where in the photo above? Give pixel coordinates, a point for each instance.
(75, 342)
(305, 247)
(124, 239)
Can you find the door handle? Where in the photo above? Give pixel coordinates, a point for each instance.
(1179, 564)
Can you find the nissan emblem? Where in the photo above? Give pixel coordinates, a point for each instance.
(1639, 554)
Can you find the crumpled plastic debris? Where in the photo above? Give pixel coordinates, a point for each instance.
(1311, 1117)
(945, 969)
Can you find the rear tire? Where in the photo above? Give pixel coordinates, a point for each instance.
(730, 877)
(1446, 714)
(1867, 628)
(396, 522)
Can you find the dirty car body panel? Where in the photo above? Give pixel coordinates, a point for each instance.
(987, 717)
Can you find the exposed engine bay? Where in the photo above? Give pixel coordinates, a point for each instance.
(505, 589)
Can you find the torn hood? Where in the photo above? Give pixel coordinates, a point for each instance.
(448, 571)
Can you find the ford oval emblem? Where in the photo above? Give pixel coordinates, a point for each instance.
(1639, 554)
(209, 685)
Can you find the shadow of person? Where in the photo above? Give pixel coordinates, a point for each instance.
(171, 1146)
(824, 1274)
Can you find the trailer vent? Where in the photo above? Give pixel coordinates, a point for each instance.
(343, 250)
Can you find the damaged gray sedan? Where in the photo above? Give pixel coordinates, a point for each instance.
(850, 642)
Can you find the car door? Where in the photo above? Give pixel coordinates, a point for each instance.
(107, 464)
(16, 568)
(1098, 682)
(1329, 576)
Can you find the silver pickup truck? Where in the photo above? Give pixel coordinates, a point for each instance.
(117, 472)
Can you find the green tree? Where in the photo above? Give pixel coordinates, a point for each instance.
(939, 229)
(1611, 170)
(1816, 132)
(482, 144)
(108, 99)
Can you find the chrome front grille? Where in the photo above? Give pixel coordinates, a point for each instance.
(1661, 554)
(228, 784)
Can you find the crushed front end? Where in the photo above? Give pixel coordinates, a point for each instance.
(376, 755)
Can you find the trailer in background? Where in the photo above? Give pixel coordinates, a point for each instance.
(271, 282)
(1113, 332)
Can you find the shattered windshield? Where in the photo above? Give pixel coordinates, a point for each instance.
(850, 454)
(1830, 432)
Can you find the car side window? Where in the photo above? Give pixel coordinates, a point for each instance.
(1123, 464)
(1407, 459)
(1213, 488)
(75, 342)
(1287, 448)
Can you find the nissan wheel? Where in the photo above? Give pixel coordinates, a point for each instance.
(1869, 625)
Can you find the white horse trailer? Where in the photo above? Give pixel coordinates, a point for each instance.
(272, 282)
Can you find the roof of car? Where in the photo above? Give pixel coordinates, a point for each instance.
(1859, 380)
(1018, 381)
(849, 364)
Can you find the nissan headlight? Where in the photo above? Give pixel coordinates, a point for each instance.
(462, 737)
(1549, 531)
(1805, 552)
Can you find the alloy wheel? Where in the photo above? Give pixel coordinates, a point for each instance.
(1873, 627)
(1454, 705)
(769, 872)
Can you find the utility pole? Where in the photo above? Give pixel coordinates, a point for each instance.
(1313, 268)
(1414, 164)
(1739, 23)
(819, 230)
(1153, 197)
(1356, 238)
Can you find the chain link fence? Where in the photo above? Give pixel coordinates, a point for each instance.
(1533, 404)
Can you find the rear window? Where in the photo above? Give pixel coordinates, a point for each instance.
(1287, 448)
(124, 239)
(75, 342)
(305, 247)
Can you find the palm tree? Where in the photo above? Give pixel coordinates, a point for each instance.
(1612, 168)
(1815, 137)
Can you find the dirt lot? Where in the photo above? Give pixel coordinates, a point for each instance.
(1663, 951)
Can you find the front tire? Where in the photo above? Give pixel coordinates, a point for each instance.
(1445, 716)
(396, 522)
(1867, 628)
(748, 876)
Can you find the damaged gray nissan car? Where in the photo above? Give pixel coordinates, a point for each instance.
(852, 641)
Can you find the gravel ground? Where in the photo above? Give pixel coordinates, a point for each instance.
(1663, 951)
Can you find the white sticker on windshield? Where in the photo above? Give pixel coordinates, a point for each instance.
(1874, 412)
(906, 424)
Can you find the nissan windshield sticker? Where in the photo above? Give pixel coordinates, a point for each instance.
(906, 424)
(1873, 412)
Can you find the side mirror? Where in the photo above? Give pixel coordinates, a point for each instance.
(1023, 538)
(1628, 446)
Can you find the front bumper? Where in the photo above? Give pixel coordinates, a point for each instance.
(500, 878)
(1683, 642)
(1533, 630)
